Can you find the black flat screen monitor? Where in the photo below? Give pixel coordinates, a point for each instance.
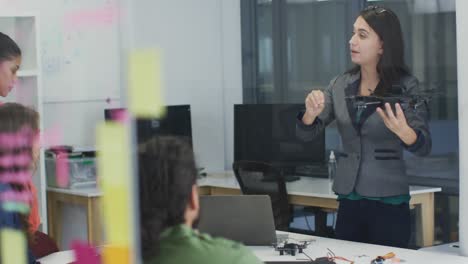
(267, 132)
(177, 122)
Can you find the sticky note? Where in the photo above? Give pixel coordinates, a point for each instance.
(114, 179)
(16, 207)
(116, 254)
(24, 196)
(13, 246)
(84, 253)
(20, 177)
(145, 84)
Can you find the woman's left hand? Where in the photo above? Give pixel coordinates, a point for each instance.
(397, 123)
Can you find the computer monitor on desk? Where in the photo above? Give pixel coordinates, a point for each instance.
(267, 133)
(177, 122)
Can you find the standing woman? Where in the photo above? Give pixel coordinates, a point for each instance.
(10, 60)
(370, 181)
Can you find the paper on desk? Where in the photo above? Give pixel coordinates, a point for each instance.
(145, 93)
(61, 257)
(13, 246)
(114, 178)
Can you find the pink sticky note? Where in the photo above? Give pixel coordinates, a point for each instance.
(52, 136)
(85, 254)
(91, 18)
(16, 196)
(21, 177)
(15, 159)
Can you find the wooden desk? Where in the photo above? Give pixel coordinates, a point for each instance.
(57, 198)
(306, 192)
(317, 192)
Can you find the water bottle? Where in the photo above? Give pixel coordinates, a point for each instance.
(331, 168)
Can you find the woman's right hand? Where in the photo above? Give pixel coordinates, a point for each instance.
(315, 103)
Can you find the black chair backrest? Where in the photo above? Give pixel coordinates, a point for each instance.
(262, 178)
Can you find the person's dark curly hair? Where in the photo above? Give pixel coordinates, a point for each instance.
(167, 173)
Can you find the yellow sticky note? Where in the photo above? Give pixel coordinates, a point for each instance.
(116, 255)
(115, 181)
(13, 245)
(145, 84)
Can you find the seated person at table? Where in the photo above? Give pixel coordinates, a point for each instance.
(169, 209)
(19, 149)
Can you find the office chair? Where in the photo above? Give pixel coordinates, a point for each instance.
(262, 178)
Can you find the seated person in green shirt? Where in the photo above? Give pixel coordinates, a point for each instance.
(169, 207)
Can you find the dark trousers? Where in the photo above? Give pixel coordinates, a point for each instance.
(373, 222)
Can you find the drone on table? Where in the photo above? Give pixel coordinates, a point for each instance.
(291, 248)
(413, 101)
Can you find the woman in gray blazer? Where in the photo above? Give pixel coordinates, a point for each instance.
(370, 181)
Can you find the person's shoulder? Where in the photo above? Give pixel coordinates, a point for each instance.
(348, 77)
(408, 78)
(342, 80)
(228, 250)
(183, 244)
(409, 82)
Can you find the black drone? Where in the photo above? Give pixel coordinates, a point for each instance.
(413, 101)
(291, 248)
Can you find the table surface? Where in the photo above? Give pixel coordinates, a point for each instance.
(318, 248)
(306, 186)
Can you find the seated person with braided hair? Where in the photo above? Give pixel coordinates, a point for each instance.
(169, 209)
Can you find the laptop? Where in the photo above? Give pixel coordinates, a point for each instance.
(244, 218)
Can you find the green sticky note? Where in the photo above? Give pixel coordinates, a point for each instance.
(13, 246)
(145, 84)
(16, 207)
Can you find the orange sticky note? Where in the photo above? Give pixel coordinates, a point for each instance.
(145, 84)
(13, 246)
(116, 255)
(115, 181)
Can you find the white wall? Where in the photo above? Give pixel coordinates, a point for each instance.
(462, 64)
(232, 71)
(200, 43)
(80, 65)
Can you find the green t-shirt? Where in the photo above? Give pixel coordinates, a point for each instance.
(182, 244)
(395, 200)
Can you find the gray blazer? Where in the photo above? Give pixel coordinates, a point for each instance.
(372, 163)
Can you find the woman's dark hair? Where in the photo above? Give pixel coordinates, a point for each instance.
(391, 66)
(8, 48)
(167, 173)
(16, 119)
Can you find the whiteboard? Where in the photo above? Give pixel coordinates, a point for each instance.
(79, 47)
